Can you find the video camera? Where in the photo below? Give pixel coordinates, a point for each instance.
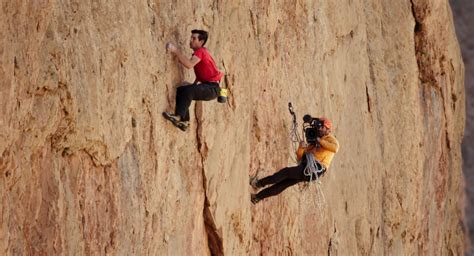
(311, 126)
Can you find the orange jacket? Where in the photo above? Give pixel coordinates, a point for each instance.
(324, 154)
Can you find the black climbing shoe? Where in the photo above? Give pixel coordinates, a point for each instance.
(254, 198)
(171, 117)
(176, 121)
(254, 182)
(183, 125)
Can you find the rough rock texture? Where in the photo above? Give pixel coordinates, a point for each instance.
(463, 11)
(88, 165)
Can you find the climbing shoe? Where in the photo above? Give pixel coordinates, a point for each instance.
(176, 120)
(183, 125)
(171, 117)
(254, 198)
(254, 182)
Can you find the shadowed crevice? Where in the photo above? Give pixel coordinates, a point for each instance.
(214, 239)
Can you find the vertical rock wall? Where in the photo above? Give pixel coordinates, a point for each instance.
(89, 166)
(464, 21)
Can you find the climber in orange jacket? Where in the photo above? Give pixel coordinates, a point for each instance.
(320, 153)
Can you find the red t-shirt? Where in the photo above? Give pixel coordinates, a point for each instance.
(206, 70)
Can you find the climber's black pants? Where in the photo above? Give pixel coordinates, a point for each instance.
(187, 93)
(283, 179)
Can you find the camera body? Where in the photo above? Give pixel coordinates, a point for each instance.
(311, 126)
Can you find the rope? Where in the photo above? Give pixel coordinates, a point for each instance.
(294, 136)
(314, 167)
(285, 68)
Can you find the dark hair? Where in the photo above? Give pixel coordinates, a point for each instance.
(202, 35)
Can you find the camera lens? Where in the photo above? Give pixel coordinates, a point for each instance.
(311, 134)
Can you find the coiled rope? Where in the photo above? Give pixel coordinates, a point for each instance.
(314, 167)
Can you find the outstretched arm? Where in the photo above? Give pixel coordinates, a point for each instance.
(187, 63)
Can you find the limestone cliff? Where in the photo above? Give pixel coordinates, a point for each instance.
(88, 165)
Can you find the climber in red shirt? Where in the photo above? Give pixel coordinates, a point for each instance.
(206, 85)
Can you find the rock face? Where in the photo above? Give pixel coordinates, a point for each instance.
(464, 21)
(88, 165)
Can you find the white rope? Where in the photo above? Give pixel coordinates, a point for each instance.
(295, 140)
(285, 68)
(314, 167)
(294, 136)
